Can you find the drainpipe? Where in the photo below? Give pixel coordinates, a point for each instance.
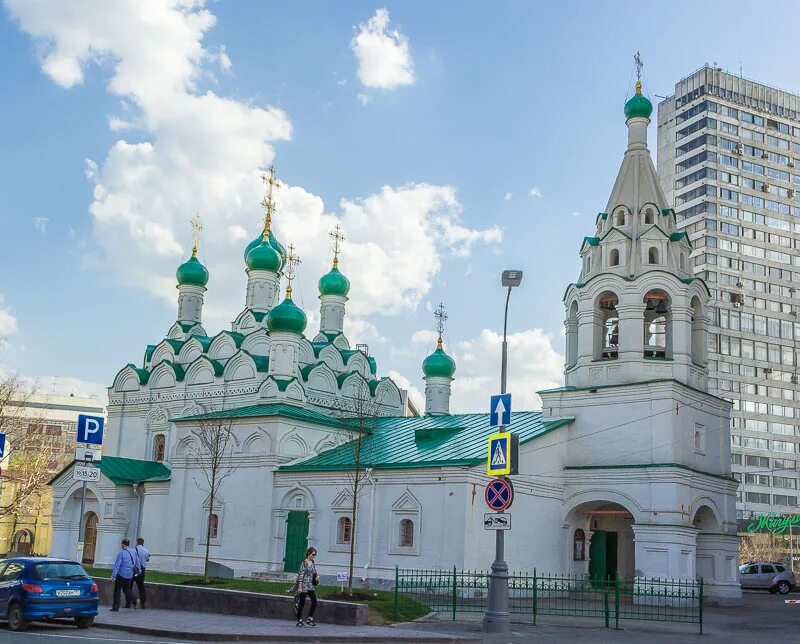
(371, 527)
(135, 487)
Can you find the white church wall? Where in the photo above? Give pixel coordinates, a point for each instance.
(644, 423)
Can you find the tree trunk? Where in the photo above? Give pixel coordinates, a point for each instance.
(208, 524)
(352, 540)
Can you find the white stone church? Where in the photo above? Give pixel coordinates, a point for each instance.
(625, 470)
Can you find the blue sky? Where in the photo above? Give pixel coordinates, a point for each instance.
(423, 132)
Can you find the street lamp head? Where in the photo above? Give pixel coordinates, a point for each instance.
(512, 278)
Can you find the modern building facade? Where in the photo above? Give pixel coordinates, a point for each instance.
(729, 159)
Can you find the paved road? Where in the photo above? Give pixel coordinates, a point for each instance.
(55, 634)
(762, 617)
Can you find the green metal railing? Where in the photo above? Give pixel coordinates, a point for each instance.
(642, 598)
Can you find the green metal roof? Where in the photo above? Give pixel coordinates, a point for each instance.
(127, 471)
(592, 241)
(272, 409)
(425, 441)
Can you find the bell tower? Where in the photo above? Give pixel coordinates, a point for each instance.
(636, 312)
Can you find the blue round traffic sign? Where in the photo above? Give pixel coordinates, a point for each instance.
(499, 494)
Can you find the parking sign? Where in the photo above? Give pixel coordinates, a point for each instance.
(90, 429)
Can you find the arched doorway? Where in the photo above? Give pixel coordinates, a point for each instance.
(607, 529)
(23, 542)
(706, 554)
(89, 538)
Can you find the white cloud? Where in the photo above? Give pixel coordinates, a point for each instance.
(576, 214)
(416, 396)
(198, 152)
(536, 192)
(508, 196)
(533, 365)
(8, 323)
(363, 98)
(236, 234)
(384, 56)
(424, 336)
(40, 224)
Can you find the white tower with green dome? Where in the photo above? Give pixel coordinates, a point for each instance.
(264, 258)
(286, 323)
(333, 289)
(438, 369)
(192, 278)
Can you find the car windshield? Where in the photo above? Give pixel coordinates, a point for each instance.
(58, 570)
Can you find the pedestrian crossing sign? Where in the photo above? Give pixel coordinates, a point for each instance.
(501, 458)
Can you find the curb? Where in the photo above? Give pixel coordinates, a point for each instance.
(303, 636)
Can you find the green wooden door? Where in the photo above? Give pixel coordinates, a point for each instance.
(611, 554)
(296, 540)
(597, 556)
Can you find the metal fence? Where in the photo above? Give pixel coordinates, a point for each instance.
(642, 598)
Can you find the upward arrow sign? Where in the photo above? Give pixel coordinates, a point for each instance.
(500, 410)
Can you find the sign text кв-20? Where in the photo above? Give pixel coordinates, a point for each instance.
(774, 523)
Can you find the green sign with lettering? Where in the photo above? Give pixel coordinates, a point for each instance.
(774, 523)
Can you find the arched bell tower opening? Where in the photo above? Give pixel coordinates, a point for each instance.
(657, 325)
(699, 344)
(607, 332)
(572, 334)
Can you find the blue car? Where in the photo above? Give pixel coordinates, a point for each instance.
(40, 588)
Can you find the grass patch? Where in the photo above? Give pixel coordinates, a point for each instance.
(382, 601)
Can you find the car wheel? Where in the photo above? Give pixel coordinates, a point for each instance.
(783, 587)
(84, 622)
(16, 621)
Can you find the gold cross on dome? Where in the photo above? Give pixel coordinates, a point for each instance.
(267, 203)
(637, 59)
(440, 316)
(197, 226)
(338, 238)
(292, 260)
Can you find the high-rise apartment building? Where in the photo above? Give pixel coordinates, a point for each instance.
(729, 161)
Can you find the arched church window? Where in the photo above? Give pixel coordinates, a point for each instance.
(607, 335)
(159, 447)
(614, 257)
(682, 261)
(213, 526)
(652, 255)
(656, 324)
(344, 530)
(587, 264)
(649, 216)
(406, 533)
(620, 218)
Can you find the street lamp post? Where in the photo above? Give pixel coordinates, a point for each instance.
(496, 619)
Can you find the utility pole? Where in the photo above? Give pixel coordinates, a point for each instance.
(497, 619)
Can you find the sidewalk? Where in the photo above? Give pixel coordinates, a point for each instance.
(211, 627)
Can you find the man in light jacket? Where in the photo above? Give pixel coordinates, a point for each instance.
(122, 574)
(144, 558)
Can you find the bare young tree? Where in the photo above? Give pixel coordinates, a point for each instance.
(212, 454)
(358, 421)
(36, 450)
(761, 547)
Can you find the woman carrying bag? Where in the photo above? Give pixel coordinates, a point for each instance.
(307, 579)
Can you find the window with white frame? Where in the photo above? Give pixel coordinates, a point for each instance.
(406, 515)
(344, 530)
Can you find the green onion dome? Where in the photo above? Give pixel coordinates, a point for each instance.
(272, 242)
(439, 364)
(192, 272)
(334, 282)
(638, 105)
(287, 316)
(263, 258)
